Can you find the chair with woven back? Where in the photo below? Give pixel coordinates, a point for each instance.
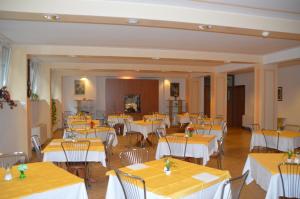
(76, 152)
(130, 132)
(271, 142)
(233, 187)
(177, 146)
(108, 144)
(37, 147)
(10, 159)
(134, 156)
(134, 187)
(290, 179)
(219, 154)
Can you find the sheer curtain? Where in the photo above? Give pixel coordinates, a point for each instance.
(4, 60)
(34, 76)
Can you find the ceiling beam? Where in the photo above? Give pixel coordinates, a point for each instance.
(138, 52)
(282, 56)
(232, 67)
(157, 15)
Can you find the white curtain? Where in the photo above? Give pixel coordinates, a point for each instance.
(4, 60)
(34, 76)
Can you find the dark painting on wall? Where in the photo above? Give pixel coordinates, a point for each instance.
(79, 87)
(132, 104)
(279, 94)
(174, 89)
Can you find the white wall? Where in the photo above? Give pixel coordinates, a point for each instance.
(289, 107)
(247, 79)
(95, 89)
(69, 97)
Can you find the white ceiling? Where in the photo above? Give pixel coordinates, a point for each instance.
(28, 32)
(289, 9)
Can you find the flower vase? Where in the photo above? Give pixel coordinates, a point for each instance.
(22, 175)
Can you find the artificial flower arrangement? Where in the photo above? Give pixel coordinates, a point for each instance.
(22, 168)
(92, 124)
(190, 131)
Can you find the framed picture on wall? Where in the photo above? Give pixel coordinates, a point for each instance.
(174, 89)
(79, 87)
(279, 93)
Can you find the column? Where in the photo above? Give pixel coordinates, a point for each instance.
(193, 94)
(218, 102)
(265, 96)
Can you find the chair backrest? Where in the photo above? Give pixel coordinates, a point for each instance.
(177, 145)
(221, 145)
(271, 141)
(76, 151)
(160, 132)
(233, 187)
(8, 160)
(254, 127)
(37, 145)
(127, 124)
(133, 187)
(290, 179)
(224, 128)
(134, 156)
(108, 147)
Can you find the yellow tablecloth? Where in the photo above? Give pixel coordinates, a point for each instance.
(195, 139)
(269, 161)
(90, 131)
(290, 134)
(55, 145)
(142, 122)
(180, 183)
(40, 177)
(205, 127)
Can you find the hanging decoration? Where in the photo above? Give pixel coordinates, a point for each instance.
(5, 98)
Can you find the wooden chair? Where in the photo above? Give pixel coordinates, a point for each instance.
(133, 187)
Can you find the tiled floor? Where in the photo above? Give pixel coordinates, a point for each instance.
(236, 151)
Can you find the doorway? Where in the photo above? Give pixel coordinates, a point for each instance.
(235, 103)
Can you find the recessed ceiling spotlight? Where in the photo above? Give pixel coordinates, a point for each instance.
(227, 61)
(72, 55)
(51, 17)
(133, 21)
(265, 33)
(205, 27)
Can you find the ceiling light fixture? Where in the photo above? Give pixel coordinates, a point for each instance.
(133, 21)
(265, 33)
(51, 17)
(205, 27)
(155, 58)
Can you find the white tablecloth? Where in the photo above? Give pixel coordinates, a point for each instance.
(216, 130)
(144, 128)
(99, 134)
(285, 143)
(192, 150)
(75, 191)
(118, 119)
(269, 182)
(183, 119)
(165, 118)
(59, 156)
(114, 191)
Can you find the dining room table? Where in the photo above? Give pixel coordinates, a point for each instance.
(43, 180)
(198, 146)
(53, 152)
(96, 132)
(185, 180)
(165, 118)
(206, 129)
(288, 140)
(263, 168)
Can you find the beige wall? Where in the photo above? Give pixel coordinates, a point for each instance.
(14, 126)
(289, 107)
